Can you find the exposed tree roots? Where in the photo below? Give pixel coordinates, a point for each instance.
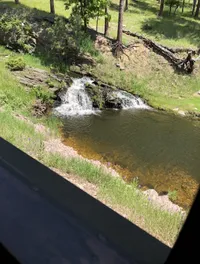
(118, 50)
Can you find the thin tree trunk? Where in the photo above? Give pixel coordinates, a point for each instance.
(97, 23)
(170, 9)
(193, 6)
(16, 1)
(162, 4)
(120, 21)
(197, 9)
(85, 19)
(126, 6)
(183, 6)
(52, 7)
(106, 26)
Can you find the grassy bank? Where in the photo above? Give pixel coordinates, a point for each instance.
(151, 77)
(126, 199)
(145, 73)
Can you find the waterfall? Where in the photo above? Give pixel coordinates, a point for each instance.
(129, 101)
(76, 101)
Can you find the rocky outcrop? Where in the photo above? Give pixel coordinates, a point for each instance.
(57, 83)
(103, 96)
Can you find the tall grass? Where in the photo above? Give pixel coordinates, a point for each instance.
(113, 190)
(12, 94)
(20, 134)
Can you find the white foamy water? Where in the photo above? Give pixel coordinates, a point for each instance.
(130, 101)
(76, 101)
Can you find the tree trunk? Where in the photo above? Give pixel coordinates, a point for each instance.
(162, 4)
(106, 26)
(16, 1)
(120, 21)
(52, 7)
(184, 65)
(97, 23)
(193, 6)
(85, 18)
(170, 9)
(183, 6)
(197, 9)
(126, 6)
(176, 7)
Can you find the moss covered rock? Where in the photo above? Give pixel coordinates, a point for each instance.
(97, 95)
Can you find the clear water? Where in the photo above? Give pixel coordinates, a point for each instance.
(162, 150)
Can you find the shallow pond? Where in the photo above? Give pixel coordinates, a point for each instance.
(162, 150)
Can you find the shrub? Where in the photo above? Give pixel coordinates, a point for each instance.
(16, 32)
(16, 64)
(172, 195)
(43, 94)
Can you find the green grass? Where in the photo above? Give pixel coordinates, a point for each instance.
(164, 225)
(15, 99)
(161, 81)
(12, 94)
(180, 30)
(42, 5)
(20, 134)
(172, 195)
(158, 84)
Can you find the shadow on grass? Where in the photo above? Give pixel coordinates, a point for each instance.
(43, 48)
(176, 28)
(143, 6)
(114, 6)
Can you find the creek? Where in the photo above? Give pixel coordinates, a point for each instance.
(161, 150)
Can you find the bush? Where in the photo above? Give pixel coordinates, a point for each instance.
(44, 95)
(16, 64)
(15, 31)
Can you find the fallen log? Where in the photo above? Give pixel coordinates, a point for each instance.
(179, 50)
(185, 65)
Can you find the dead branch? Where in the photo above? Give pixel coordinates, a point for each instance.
(185, 65)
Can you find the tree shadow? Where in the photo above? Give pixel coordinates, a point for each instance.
(114, 6)
(178, 28)
(42, 50)
(143, 6)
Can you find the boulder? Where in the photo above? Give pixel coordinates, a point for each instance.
(97, 95)
(112, 101)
